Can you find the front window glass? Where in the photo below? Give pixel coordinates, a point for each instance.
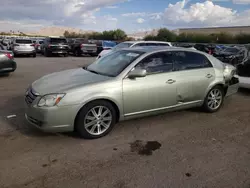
(114, 63)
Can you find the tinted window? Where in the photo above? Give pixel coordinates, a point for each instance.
(190, 60)
(40, 42)
(114, 63)
(232, 50)
(163, 44)
(151, 44)
(58, 40)
(23, 41)
(157, 63)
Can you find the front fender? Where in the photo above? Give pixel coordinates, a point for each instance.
(117, 100)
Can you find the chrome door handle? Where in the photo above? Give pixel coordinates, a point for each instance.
(170, 81)
(209, 75)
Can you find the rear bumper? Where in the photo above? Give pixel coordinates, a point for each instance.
(58, 51)
(8, 67)
(233, 86)
(86, 51)
(24, 52)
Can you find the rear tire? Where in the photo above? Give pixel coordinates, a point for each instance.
(66, 55)
(214, 99)
(34, 55)
(46, 53)
(77, 52)
(95, 125)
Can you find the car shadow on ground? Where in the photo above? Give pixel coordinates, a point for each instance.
(244, 92)
(4, 75)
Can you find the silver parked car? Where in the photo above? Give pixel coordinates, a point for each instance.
(126, 84)
(23, 47)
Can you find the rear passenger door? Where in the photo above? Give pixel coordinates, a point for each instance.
(194, 74)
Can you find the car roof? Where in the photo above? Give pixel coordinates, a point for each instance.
(142, 41)
(151, 49)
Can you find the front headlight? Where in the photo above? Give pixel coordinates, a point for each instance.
(50, 100)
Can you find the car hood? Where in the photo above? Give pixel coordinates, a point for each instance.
(63, 81)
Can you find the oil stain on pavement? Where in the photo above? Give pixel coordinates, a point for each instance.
(144, 148)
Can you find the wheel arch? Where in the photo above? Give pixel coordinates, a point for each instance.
(114, 104)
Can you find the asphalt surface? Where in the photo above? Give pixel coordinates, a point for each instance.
(186, 149)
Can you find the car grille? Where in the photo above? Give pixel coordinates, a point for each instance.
(30, 96)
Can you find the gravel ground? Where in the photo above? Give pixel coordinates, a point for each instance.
(181, 149)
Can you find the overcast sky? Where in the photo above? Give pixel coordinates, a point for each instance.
(130, 15)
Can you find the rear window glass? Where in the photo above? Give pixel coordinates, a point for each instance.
(58, 40)
(40, 42)
(23, 41)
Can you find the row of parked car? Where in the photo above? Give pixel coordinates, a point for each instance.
(235, 55)
(56, 45)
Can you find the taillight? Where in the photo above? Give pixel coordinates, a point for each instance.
(82, 45)
(10, 56)
(32, 45)
(48, 45)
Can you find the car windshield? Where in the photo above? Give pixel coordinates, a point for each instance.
(108, 44)
(58, 40)
(232, 50)
(114, 63)
(122, 45)
(23, 41)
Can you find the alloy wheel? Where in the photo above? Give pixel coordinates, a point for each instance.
(214, 99)
(98, 120)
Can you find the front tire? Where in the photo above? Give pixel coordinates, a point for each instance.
(96, 119)
(214, 99)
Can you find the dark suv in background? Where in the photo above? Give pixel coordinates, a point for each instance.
(55, 45)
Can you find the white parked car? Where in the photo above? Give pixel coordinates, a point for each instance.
(243, 72)
(131, 44)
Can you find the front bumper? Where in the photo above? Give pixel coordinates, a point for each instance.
(52, 119)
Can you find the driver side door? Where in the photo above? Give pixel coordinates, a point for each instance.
(156, 91)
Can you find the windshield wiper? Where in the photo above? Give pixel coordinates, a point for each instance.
(86, 68)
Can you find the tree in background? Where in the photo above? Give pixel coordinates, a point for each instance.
(166, 35)
(118, 35)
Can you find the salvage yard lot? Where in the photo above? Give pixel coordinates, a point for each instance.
(180, 149)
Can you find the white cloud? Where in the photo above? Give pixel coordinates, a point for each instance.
(112, 7)
(134, 14)
(203, 14)
(140, 20)
(72, 13)
(241, 1)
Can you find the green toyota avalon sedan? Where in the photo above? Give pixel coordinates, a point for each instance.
(127, 84)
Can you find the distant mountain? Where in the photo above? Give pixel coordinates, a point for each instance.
(58, 31)
(142, 34)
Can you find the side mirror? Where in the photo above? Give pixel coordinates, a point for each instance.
(137, 73)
